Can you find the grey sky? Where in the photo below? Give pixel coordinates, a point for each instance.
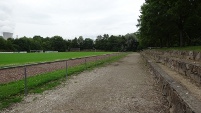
(69, 18)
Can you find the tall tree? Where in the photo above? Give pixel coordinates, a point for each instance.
(23, 44)
(88, 43)
(74, 43)
(168, 22)
(58, 44)
(2, 43)
(80, 42)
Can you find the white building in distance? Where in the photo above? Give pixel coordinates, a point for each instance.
(7, 35)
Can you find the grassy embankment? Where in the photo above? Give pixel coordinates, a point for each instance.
(13, 59)
(189, 48)
(14, 92)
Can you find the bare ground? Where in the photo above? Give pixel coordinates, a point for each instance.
(125, 86)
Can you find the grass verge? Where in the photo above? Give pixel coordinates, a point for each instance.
(188, 48)
(14, 92)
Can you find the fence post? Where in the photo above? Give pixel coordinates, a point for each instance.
(96, 61)
(25, 80)
(85, 61)
(66, 69)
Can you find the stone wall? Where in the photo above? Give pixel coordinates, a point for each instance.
(189, 55)
(179, 62)
(178, 97)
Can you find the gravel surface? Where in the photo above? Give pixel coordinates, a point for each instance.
(125, 86)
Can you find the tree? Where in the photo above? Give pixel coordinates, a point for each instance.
(46, 44)
(88, 43)
(23, 44)
(74, 43)
(99, 43)
(181, 10)
(168, 22)
(9, 45)
(128, 42)
(68, 44)
(58, 44)
(2, 43)
(80, 42)
(131, 42)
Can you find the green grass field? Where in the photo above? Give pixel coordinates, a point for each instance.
(8, 59)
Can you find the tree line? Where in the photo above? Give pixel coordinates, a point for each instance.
(104, 42)
(170, 23)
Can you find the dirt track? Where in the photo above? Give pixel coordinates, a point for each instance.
(17, 73)
(121, 87)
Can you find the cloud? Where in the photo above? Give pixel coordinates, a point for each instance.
(7, 23)
(72, 18)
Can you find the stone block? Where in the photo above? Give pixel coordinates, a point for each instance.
(190, 55)
(183, 68)
(188, 73)
(199, 73)
(197, 78)
(183, 54)
(195, 69)
(198, 56)
(176, 65)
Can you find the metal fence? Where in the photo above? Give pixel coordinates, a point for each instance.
(11, 74)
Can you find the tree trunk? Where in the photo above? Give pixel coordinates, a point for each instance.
(161, 45)
(168, 41)
(181, 38)
(181, 26)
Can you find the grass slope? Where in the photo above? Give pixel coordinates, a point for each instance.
(7, 59)
(188, 48)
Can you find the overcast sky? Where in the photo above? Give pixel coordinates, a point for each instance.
(69, 18)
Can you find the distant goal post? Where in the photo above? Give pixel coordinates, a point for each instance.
(36, 51)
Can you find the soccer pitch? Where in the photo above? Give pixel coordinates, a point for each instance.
(8, 59)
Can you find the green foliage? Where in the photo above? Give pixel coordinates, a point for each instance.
(57, 43)
(168, 23)
(7, 102)
(188, 48)
(74, 43)
(88, 43)
(2, 43)
(128, 42)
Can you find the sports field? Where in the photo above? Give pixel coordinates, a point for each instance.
(8, 59)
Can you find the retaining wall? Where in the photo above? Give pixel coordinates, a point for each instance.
(188, 68)
(179, 98)
(189, 55)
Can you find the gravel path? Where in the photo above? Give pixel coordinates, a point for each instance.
(121, 87)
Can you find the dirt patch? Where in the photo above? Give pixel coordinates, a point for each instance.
(122, 87)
